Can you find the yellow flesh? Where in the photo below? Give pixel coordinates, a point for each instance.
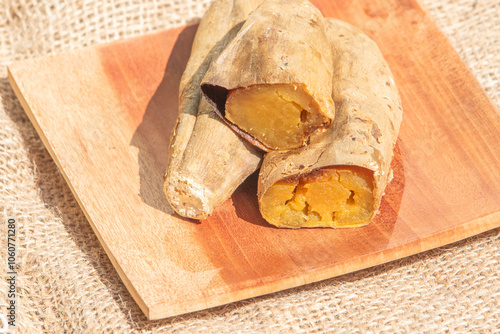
(333, 197)
(279, 116)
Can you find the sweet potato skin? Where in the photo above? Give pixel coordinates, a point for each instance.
(282, 42)
(207, 160)
(368, 118)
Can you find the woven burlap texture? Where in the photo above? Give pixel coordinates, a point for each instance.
(66, 283)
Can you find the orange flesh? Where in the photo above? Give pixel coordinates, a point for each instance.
(332, 197)
(279, 116)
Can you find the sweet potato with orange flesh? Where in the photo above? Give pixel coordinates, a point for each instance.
(338, 180)
(330, 197)
(282, 115)
(273, 82)
(207, 160)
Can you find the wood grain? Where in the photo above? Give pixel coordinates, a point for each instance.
(105, 114)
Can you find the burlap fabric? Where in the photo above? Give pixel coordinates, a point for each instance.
(66, 283)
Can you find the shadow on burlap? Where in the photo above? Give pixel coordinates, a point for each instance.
(67, 283)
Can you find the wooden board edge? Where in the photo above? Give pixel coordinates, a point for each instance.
(439, 239)
(472, 77)
(11, 69)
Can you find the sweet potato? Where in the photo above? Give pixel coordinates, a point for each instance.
(339, 179)
(207, 160)
(273, 82)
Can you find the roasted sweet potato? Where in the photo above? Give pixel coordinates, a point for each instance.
(207, 160)
(339, 179)
(273, 82)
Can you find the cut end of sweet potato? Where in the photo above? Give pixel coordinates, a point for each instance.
(188, 198)
(340, 196)
(278, 116)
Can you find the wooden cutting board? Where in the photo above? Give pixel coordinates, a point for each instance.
(105, 114)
